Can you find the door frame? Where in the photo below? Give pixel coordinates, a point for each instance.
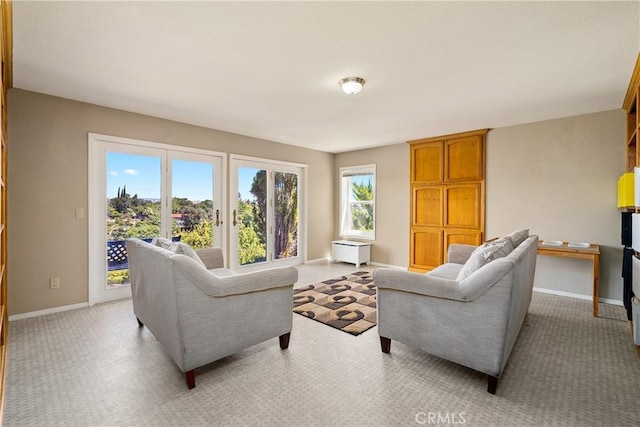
(97, 144)
(234, 160)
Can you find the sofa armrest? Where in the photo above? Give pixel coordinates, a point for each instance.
(459, 253)
(211, 257)
(422, 284)
(238, 284)
(485, 277)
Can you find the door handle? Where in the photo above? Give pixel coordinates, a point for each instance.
(218, 222)
(234, 218)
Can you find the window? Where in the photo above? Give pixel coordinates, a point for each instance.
(357, 201)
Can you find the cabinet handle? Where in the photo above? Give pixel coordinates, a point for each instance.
(218, 218)
(234, 218)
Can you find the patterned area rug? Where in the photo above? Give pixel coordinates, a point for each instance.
(347, 303)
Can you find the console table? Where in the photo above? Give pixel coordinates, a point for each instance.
(592, 252)
(353, 252)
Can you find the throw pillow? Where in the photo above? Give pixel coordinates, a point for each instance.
(480, 257)
(518, 237)
(184, 249)
(505, 249)
(163, 243)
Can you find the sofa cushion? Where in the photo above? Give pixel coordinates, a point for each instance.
(446, 271)
(481, 256)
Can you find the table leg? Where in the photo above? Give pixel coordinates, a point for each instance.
(596, 271)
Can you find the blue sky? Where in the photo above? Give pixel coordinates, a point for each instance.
(141, 175)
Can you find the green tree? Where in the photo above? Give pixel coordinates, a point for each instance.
(259, 191)
(362, 213)
(251, 249)
(286, 215)
(200, 237)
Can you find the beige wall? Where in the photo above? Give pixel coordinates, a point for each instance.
(556, 177)
(48, 180)
(391, 246)
(559, 179)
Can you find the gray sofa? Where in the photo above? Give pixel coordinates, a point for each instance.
(201, 312)
(469, 310)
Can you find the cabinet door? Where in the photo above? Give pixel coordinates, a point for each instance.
(427, 203)
(464, 159)
(464, 237)
(426, 248)
(426, 162)
(463, 206)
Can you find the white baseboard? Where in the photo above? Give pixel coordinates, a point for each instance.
(317, 260)
(578, 296)
(611, 301)
(395, 267)
(48, 311)
(377, 264)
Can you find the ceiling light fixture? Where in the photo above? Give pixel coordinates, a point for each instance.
(351, 85)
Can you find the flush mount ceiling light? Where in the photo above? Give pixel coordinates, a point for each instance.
(351, 85)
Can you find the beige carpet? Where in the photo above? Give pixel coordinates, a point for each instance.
(96, 367)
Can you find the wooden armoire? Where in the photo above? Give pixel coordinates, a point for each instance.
(447, 196)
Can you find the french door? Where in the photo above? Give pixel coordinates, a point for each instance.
(266, 219)
(146, 190)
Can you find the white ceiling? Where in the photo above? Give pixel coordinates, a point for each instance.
(270, 70)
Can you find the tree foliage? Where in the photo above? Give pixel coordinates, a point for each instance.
(252, 217)
(362, 213)
(130, 216)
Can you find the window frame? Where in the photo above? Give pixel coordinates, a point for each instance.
(346, 202)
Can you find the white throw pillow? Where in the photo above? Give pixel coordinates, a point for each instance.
(163, 243)
(184, 249)
(481, 256)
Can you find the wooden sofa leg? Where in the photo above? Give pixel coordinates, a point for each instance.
(493, 384)
(140, 323)
(385, 343)
(191, 378)
(284, 340)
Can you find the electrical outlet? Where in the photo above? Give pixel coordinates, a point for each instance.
(54, 283)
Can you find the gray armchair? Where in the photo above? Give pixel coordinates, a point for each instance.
(201, 312)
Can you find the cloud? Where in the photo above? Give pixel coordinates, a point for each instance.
(113, 173)
(130, 172)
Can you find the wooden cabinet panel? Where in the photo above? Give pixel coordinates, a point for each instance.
(462, 205)
(427, 206)
(427, 163)
(463, 237)
(464, 159)
(447, 196)
(426, 249)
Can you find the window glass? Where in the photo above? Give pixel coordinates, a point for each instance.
(357, 213)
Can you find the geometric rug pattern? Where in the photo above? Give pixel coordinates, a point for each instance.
(347, 303)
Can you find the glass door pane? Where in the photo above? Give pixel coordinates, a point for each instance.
(251, 215)
(285, 215)
(266, 215)
(134, 187)
(192, 206)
